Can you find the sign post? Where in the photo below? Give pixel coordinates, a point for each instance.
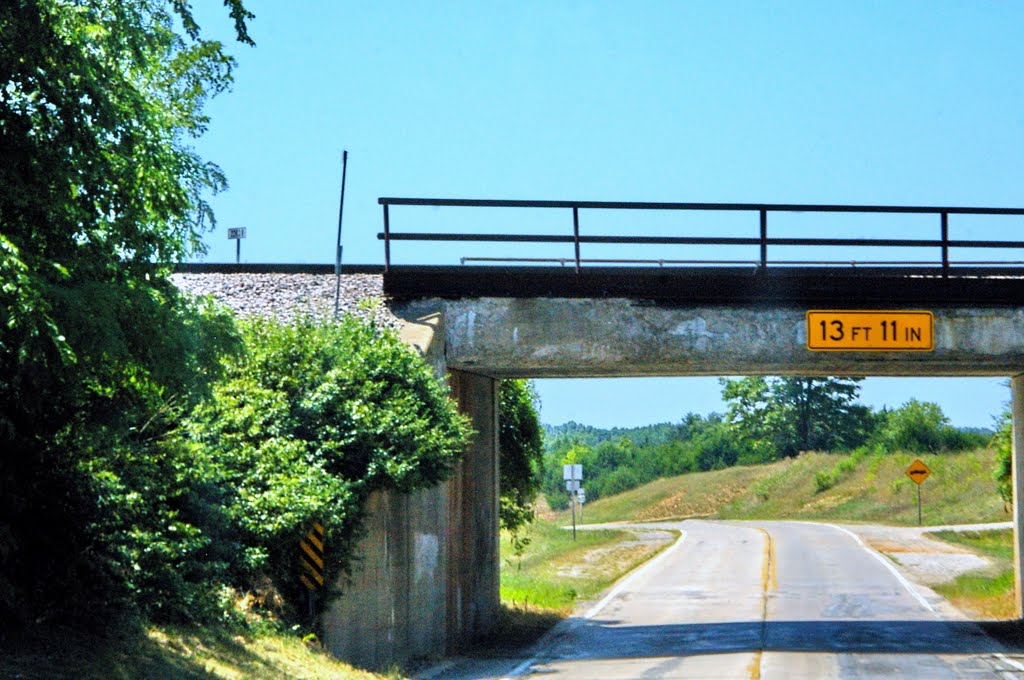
(918, 472)
(573, 475)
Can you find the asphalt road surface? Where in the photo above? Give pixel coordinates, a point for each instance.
(761, 600)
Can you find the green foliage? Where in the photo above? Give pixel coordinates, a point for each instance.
(1002, 443)
(97, 470)
(921, 427)
(98, 353)
(521, 445)
(621, 459)
(781, 416)
(824, 480)
(308, 421)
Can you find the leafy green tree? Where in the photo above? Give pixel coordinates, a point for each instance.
(99, 101)
(918, 427)
(781, 416)
(521, 443)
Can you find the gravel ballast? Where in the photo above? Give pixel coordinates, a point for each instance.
(286, 296)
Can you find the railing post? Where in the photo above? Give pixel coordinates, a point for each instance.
(764, 238)
(945, 243)
(387, 240)
(576, 235)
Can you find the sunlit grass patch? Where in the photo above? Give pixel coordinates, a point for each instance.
(985, 593)
(555, 572)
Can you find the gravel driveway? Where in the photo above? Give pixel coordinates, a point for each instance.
(923, 559)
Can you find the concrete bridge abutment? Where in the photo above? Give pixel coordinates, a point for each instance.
(427, 578)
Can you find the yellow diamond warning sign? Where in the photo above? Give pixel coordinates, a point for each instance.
(918, 471)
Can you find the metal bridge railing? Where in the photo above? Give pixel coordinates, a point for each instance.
(943, 243)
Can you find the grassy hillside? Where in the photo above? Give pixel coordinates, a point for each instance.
(821, 486)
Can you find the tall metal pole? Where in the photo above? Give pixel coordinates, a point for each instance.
(572, 501)
(918, 505)
(337, 253)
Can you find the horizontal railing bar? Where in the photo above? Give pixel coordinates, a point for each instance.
(853, 263)
(698, 240)
(518, 238)
(771, 207)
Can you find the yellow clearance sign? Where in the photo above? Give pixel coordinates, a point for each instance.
(848, 330)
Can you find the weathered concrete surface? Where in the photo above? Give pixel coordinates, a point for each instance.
(562, 337)
(428, 576)
(394, 607)
(1017, 467)
(474, 572)
(425, 334)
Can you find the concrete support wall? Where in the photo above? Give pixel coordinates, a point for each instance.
(394, 607)
(427, 578)
(474, 576)
(1017, 411)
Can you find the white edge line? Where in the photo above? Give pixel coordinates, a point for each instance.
(626, 582)
(1010, 662)
(593, 611)
(891, 567)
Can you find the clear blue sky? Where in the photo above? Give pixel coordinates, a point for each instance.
(795, 102)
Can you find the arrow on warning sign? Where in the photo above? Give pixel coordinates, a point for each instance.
(918, 471)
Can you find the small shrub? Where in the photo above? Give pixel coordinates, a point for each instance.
(824, 480)
(308, 421)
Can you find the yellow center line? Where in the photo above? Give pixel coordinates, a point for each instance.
(769, 583)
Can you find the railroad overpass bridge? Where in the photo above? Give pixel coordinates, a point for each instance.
(955, 308)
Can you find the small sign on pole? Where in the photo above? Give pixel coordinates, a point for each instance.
(573, 475)
(918, 472)
(236, 234)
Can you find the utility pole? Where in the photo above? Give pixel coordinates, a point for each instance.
(337, 252)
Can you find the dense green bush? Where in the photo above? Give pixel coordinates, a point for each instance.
(309, 420)
(92, 491)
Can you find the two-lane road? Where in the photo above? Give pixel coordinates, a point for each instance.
(763, 600)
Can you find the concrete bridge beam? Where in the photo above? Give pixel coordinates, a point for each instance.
(601, 337)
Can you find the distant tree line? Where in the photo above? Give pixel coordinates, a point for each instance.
(768, 418)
